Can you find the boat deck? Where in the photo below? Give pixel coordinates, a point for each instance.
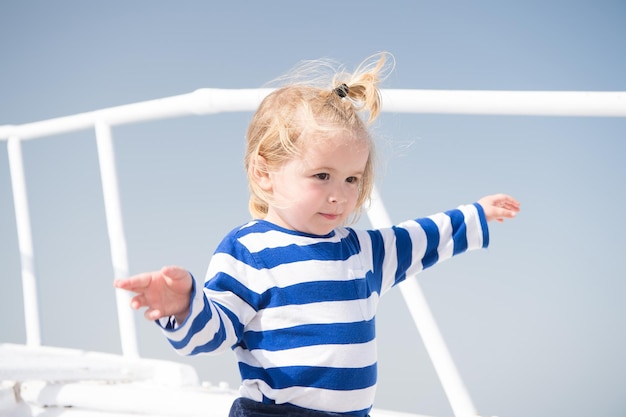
(49, 381)
(60, 382)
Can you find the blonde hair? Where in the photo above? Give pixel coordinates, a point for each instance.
(275, 131)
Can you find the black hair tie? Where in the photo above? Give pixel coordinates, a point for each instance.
(342, 90)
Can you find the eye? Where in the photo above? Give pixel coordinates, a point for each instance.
(352, 180)
(322, 176)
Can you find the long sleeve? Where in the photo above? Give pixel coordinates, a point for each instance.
(299, 310)
(415, 245)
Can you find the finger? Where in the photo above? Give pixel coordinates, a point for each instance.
(153, 314)
(503, 213)
(174, 272)
(507, 202)
(509, 206)
(138, 301)
(135, 282)
(120, 283)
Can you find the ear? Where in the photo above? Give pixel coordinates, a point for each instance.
(260, 173)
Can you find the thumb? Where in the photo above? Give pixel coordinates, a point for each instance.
(174, 272)
(500, 214)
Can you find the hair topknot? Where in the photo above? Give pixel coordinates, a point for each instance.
(321, 96)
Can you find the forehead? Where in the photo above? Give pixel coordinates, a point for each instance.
(329, 134)
(337, 140)
(338, 151)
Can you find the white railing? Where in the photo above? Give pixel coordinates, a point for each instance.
(207, 101)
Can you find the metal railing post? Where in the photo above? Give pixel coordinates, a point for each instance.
(25, 241)
(117, 239)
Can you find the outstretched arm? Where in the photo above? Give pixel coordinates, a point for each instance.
(165, 293)
(499, 206)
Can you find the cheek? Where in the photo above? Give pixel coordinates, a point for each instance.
(309, 192)
(284, 186)
(297, 194)
(354, 195)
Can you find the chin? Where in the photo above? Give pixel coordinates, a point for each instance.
(326, 230)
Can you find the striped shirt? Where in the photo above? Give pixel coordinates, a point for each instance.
(298, 309)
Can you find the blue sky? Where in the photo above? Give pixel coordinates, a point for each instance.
(535, 323)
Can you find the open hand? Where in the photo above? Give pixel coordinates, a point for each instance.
(499, 206)
(165, 293)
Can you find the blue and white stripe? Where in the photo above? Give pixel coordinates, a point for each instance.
(298, 310)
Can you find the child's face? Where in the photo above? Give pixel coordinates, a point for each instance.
(318, 191)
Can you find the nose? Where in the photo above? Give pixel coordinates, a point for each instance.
(337, 196)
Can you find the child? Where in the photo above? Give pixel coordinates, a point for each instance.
(294, 292)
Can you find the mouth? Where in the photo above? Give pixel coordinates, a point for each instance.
(330, 216)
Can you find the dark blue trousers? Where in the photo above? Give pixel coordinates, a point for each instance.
(244, 407)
